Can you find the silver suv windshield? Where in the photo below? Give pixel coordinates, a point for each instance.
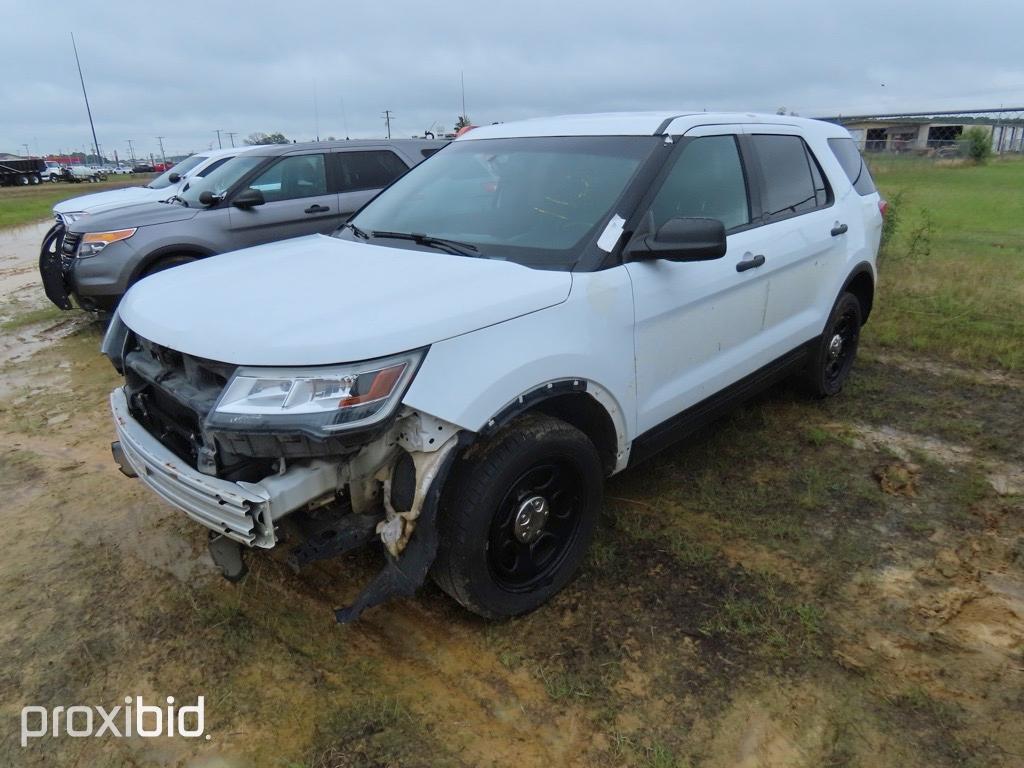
(186, 165)
(537, 201)
(219, 181)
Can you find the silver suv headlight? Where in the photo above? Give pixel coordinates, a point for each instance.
(323, 398)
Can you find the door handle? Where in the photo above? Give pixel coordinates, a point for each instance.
(839, 229)
(317, 209)
(750, 261)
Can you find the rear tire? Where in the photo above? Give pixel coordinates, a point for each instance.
(517, 517)
(833, 358)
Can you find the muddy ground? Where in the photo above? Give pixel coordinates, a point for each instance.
(831, 583)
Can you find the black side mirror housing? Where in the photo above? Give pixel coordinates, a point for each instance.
(248, 198)
(681, 239)
(174, 178)
(207, 198)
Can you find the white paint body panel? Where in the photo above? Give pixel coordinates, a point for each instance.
(318, 300)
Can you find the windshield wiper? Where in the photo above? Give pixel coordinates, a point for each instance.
(441, 243)
(355, 230)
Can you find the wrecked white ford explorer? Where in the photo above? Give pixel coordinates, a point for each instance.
(455, 371)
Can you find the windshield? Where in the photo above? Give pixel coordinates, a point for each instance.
(186, 165)
(537, 201)
(220, 180)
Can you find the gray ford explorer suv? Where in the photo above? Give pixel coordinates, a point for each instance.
(272, 193)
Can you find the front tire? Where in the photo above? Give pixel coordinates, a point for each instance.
(167, 262)
(832, 361)
(519, 516)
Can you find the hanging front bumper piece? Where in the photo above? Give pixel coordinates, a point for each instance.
(388, 490)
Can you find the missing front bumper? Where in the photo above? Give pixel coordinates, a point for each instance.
(244, 512)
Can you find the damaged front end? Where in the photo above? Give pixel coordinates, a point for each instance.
(259, 456)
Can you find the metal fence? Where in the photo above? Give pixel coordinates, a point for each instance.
(936, 134)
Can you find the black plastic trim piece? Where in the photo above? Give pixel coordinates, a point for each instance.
(687, 422)
(402, 576)
(526, 401)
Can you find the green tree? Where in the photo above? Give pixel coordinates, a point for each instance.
(267, 138)
(461, 123)
(976, 143)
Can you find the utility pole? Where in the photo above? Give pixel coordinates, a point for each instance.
(88, 111)
(162, 155)
(131, 150)
(28, 152)
(387, 121)
(231, 135)
(217, 131)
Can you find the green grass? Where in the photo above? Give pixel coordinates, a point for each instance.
(24, 205)
(951, 281)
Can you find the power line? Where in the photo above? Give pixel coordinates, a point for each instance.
(387, 121)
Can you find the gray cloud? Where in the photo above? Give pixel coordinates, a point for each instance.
(184, 69)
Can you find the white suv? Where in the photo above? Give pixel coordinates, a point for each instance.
(454, 372)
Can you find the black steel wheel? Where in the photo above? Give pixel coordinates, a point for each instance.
(535, 525)
(833, 358)
(517, 517)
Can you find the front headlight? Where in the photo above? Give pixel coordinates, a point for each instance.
(325, 399)
(94, 242)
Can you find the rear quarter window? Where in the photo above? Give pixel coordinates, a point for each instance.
(853, 165)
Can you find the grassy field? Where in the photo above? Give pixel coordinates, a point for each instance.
(24, 205)
(952, 278)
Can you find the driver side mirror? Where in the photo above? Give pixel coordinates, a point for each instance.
(248, 198)
(681, 239)
(174, 178)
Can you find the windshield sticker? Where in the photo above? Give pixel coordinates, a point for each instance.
(611, 234)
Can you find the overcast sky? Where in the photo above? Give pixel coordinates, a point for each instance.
(182, 69)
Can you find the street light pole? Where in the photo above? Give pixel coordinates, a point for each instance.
(131, 150)
(387, 121)
(219, 144)
(88, 111)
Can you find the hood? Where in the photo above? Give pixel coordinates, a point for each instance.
(133, 215)
(113, 198)
(319, 300)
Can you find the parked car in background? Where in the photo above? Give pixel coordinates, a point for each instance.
(263, 194)
(539, 305)
(161, 188)
(143, 168)
(122, 170)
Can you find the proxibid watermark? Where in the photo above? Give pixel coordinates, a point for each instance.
(134, 718)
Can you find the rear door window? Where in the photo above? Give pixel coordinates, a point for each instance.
(792, 181)
(368, 170)
(853, 164)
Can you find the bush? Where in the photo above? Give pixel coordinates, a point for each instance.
(891, 222)
(976, 143)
